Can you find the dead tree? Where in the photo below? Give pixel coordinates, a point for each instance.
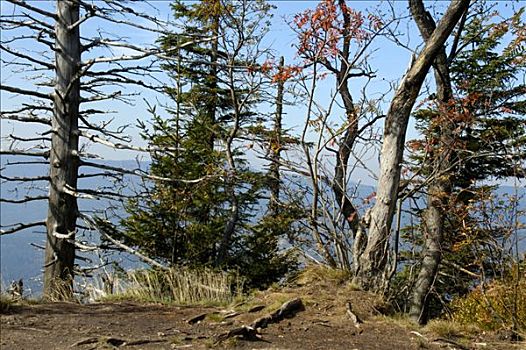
(64, 151)
(69, 71)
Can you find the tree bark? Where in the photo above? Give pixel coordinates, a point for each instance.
(439, 187)
(346, 145)
(339, 185)
(213, 79)
(64, 159)
(275, 147)
(371, 272)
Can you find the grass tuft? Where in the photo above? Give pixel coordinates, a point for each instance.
(182, 286)
(450, 329)
(323, 274)
(398, 319)
(6, 303)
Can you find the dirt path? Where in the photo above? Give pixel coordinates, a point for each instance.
(73, 326)
(323, 323)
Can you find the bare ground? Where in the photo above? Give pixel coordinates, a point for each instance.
(323, 324)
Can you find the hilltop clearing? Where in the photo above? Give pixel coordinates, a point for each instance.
(319, 311)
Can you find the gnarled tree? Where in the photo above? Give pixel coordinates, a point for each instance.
(326, 42)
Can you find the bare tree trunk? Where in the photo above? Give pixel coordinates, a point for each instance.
(230, 182)
(275, 147)
(339, 186)
(342, 159)
(371, 272)
(64, 158)
(213, 81)
(439, 188)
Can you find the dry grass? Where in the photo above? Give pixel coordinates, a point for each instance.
(437, 327)
(400, 320)
(499, 306)
(6, 303)
(322, 274)
(175, 286)
(9, 303)
(62, 292)
(450, 329)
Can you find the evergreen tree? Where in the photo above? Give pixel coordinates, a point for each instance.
(207, 214)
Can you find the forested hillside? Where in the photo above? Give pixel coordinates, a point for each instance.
(384, 141)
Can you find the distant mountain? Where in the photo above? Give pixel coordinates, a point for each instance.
(19, 256)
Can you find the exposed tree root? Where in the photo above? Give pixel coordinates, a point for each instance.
(251, 332)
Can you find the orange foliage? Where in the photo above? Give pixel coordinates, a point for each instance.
(321, 29)
(286, 73)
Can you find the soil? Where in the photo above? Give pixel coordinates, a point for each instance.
(323, 324)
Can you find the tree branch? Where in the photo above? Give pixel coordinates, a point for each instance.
(25, 153)
(98, 224)
(23, 200)
(143, 174)
(25, 5)
(28, 119)
(106, 142)
(458, 34)
(18, 227)
(24, 179)
(16, 90)
(27, 57)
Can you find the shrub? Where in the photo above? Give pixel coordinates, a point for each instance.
(500, 304)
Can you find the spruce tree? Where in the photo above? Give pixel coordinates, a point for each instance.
(207, 216)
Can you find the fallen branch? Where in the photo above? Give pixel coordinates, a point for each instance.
(288, 309)
(256, 308)
(197, 318)
(452, 342)
(231, 315)
(245, 332)
(117, 342)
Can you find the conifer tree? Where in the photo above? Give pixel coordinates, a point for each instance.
(206, 216)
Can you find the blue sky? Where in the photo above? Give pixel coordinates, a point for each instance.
(388, 59)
